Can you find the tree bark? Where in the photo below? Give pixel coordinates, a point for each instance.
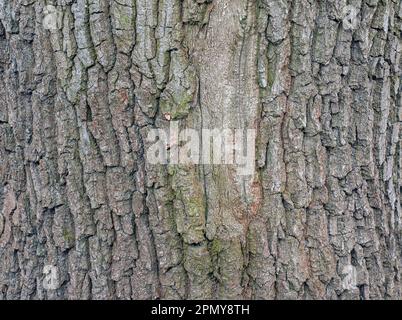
(319, 219)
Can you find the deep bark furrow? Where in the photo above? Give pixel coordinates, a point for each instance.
(83, 83)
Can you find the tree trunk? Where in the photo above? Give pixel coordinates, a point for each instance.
(84, 214)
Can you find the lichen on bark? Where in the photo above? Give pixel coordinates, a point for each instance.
(319, 219)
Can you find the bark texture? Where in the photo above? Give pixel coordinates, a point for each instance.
(320, 219)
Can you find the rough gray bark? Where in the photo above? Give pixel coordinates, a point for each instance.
(321, 219)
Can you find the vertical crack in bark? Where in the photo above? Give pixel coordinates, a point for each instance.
(82, 85)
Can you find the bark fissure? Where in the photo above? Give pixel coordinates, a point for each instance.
(83, 83)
